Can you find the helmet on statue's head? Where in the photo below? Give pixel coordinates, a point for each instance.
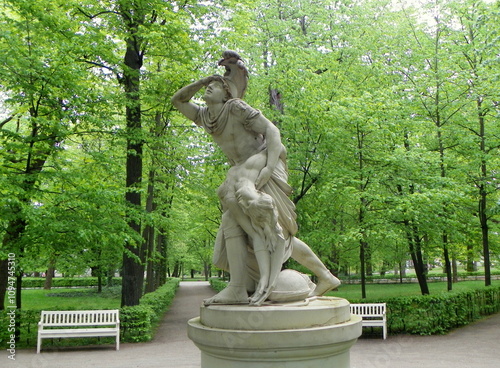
(236, 72)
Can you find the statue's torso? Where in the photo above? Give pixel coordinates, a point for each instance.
(233, 133)
(238, 143)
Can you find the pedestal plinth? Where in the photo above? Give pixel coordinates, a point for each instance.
(316, 333)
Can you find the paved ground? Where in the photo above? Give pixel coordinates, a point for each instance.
(476, 345)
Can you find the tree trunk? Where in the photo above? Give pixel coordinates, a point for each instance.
(485, 236)
(150, 259)
(13, 234)
(368, 260)
(415, 246)
(50, 273)
(161, 273)
(362, 247)
(483, 197)
(177, 269)
(454, 268)
(402, 271)
(206, 270)
(447, 263)
(149, 236)
(133, 256)
(99, 281)
(470, 258)
(109, 277)
(414, 242)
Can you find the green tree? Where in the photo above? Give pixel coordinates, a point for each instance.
(476, 37)
(44, 94)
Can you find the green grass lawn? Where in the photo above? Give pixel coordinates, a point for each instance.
(85, 298)
(88, 298)
(384, 291)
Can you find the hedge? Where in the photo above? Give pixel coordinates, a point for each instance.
(138, 323)
(430, 314)
(217, 284)
(38, 282)
(438, 314)
(433, 277)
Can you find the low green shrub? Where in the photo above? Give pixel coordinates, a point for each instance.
(28, 325)
(431, 277)
(38, 282)
(138, 323)
(430, 314)
(217, 284)
(438, 314)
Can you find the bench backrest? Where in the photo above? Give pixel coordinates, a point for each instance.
(369, 310)
(80, 318)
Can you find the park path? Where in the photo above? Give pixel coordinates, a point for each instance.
(476, 345)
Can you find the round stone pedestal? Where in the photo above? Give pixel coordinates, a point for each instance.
(315, 333)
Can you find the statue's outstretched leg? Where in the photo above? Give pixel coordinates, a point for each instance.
(307, 258)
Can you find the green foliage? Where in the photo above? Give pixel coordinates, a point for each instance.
(160, 299)
(28, 320)
(424, 315)
(37, 282)
(74, 298)
(365, 113)
(438, 314)
(217, 285)
(35, 300)
(139, 322)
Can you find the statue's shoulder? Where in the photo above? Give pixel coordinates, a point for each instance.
(240, 108)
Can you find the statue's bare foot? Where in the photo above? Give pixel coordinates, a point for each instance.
(230, 295)
(325, 284)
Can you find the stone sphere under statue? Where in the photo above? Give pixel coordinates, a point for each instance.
(291, 286)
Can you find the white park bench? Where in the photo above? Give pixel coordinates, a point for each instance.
(79, 323)
(372, 315)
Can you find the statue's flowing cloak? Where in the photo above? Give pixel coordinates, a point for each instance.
(277, 187)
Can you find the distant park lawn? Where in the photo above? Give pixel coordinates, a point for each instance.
(88, 298)
(61, 299)
(385, 291)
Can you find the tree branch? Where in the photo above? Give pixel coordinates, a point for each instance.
(90, 16)
(6, 121)
(118, 76)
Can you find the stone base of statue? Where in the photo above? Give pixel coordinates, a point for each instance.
(317, 332)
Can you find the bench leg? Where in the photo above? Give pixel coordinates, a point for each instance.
(38, 344)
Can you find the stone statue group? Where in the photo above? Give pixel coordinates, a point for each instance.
(258, 226)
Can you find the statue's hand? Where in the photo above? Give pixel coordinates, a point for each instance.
(264, 176)
(206, 81)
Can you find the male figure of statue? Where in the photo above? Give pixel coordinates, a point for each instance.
(258, 223)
